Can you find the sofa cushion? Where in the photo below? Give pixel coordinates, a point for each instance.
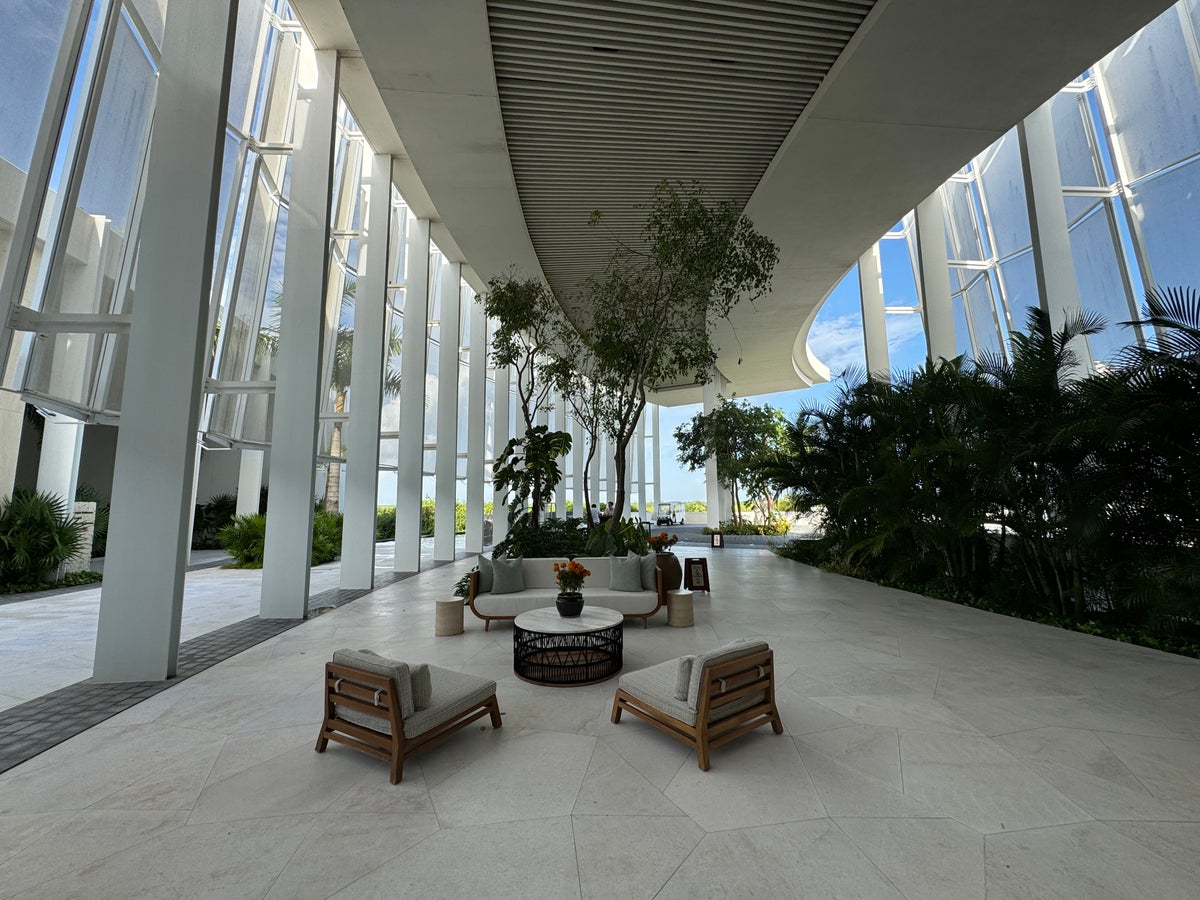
(422, 686)
(370, 661)
(649, 567)
(508, 576)
(485, 575)
(683, 676)
(626, 573)
(715, 657)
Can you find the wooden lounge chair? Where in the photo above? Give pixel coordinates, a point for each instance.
(385, 709)
(705, 700)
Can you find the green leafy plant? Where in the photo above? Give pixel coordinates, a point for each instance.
(85, 493)
(245, 539)
(385, 523)
(209, 518)
(37, 535)
(327, 537)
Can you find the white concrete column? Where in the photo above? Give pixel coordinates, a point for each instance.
(502, 434)
(639, 465)
(714, 499)
(303, 324)
(58, 464)
(935, 278)
(597, 465)
(1053, 264)
(411, 444)
(578, 451)
(367, 365)
(656, 458)
(610, 474)
(141, 601)
(250, 469)
(476, 427)
(870, 286)
(445, 459)
(560, 490)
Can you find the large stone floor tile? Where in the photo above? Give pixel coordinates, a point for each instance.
(977, 782)
(814, 860)
(1176, 842)
(519, 860)
(630, 857)
(758, 779)
(612, 787)
(926, 859)
(1088, 860)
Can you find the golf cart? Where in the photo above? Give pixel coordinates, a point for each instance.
(669, 513)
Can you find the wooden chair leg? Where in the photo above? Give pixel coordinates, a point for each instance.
(322, 742)
(494, 708)
(702, 754)
(616, 710)
(397, 770)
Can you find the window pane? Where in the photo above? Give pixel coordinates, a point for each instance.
(1169, 206)
(1076, 162)
(982, 310)
(1003, 188)
(1101, 287)
(31, 31)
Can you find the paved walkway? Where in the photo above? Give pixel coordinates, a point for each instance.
(930, 751)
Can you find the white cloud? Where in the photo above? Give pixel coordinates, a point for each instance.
(838, 342)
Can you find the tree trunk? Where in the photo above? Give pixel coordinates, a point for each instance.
(619, 504)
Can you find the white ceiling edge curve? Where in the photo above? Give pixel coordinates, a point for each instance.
(922, 86)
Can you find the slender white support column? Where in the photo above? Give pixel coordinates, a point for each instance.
(503, 433)
(445, 466)
(371, 323)
(656, 459)
(1053, 264)
(639, 466)
(58, 464)
(578, 451)
(141, 601)
(594, 474)
(476, 427)
(560, 490)
(935, 278)
(714, 500)
(870, 286)
(411, 444)
(304, 321)
(250, 469)
(610, 474)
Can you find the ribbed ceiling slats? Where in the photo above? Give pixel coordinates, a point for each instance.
(603, 99)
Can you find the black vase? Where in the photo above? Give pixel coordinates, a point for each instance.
(569, 603)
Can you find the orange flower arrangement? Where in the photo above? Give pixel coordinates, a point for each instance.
(570, 575)
(660, 542)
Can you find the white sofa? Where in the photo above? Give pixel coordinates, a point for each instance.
(540, 590)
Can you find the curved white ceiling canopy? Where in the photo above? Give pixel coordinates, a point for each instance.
(827, 119)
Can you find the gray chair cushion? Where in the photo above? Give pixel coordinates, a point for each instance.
(649, 567)
(715, 657)
(508, 574)
(626, 573)
(370, 661)
(683, 677)
(485, 575)
(453, 693)
(422, 687)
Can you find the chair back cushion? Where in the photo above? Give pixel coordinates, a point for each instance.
(370, 661)
(715, 657)
(626, 573)
(422, 686)
(508, 574)
(649, 567)
(485, 575)
(683, 676)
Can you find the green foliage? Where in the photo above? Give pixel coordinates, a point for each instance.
(209, 518)
(776, 527)
(327, 537)
(37, 535)
(69, 579)
(739, 437)
(528, 471)
(1015, 484)
(244, 539)
(85, 493)
(695, 506)
(555, 537)
(385, 523)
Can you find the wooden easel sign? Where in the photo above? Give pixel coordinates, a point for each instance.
(718, 540)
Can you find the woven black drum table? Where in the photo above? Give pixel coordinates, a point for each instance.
(551, 650)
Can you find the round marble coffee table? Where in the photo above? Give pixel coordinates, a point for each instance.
(551, 650)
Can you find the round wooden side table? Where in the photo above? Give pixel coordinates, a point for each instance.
(680, 612)
(449, 617)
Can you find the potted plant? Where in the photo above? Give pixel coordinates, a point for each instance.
(672, 571)
(570, 576)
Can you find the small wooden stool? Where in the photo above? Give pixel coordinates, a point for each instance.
(695, 574)
(449, 617)
(680, 611)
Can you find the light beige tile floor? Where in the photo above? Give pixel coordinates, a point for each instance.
(930, 751)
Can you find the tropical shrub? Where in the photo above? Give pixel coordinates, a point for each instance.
(385, 523)
(85, 493)
(37, 535)
(327, 537)
(209, 518)
(244, 539)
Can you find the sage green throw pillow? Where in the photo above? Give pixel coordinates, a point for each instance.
(626, 573)
(508, 574)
